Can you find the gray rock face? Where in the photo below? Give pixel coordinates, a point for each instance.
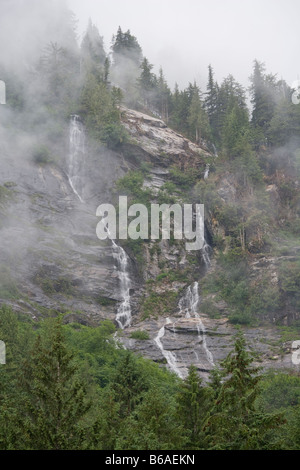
(182, 339)
(48, 237)
(48, 241)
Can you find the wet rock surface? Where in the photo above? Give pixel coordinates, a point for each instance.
(48, 241)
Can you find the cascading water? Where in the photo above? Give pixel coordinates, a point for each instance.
(205, 250)
(188, 306)
(75, 172)
(123, 317)
(168, 355)
(215, 151)
(76, 156)
(206, 172)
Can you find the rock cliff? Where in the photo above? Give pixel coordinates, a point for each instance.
(57, 263)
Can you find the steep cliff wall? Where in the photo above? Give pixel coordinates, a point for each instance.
(52, 260)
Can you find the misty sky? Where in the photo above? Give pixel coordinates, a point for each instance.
(184, 36)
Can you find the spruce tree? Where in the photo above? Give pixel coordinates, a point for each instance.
(211, 103)
(153, 425)
(193, 403)
(236, 422)
(146, 82)
(128, 384)
(93, 56)
(55, 403)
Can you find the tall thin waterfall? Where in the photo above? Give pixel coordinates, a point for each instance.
(206, 172)
(76, 156)
(75, 176)
(205, 250)
(123, 317)
(188, 305)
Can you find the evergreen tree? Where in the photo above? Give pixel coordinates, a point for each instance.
(230, 95)
(262, 91)
(180, 103)
(126, 45)
(235, 132)
(236, 422)
(93, 56)
(99, 108)
(126, 60)
(16, 350)
(128, 384)
(58, 70)
(146, 82)
(153, 425)
(193, 402)
(163, 96)
(55, 404)
(211, 102)
(197, 117)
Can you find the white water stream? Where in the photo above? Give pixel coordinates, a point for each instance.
(76, 156)
(75, 172)
(188, 307)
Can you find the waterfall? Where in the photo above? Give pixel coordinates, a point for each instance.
(205, 250)
(123, 317)
(188, 306)
(206, 173)
(168, 355)
(215, 151)
(76, 156)
(75, 172)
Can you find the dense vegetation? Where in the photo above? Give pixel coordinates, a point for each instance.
(74, 387)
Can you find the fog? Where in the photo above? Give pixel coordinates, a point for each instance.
(185, 37)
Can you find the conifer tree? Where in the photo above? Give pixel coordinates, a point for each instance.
(263, 96)
(93, 56)
(163, 96)
(211, 102)
(128, 384)
(15, 350)
(193, 403)
(153, 425)
(235, 421)
(55, 402)
(147, 82)
(197, 117)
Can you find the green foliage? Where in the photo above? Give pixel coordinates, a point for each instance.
(140, 335)
(153, 425)
(131, 183)
(128, 384)
(41, 155)
(235, 421)
(157, 305)
(56, 399)
(183, 179)
(193, 404)
(105, 301)
(74, 388)
(289, 278)
(93, 56)
(101, 114)
(59, 285)
(8, 287)
(6, 194)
